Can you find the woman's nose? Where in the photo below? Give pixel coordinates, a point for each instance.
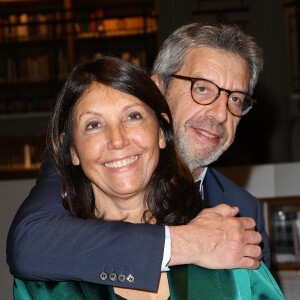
(117, 138)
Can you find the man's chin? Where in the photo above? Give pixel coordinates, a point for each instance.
(208, 158)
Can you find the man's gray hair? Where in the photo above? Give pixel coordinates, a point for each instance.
(230, 38)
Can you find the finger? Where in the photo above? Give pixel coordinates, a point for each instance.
(224, 210)
(253, 251)
(248, 223)
(248, 263)
(252, 237)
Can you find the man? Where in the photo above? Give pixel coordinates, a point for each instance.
(45, 243)
(206, 73)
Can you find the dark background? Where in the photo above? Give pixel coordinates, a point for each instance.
(270, 132)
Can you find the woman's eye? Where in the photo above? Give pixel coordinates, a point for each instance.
(134, 116)
(93, 125)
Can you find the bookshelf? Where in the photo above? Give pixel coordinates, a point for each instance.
(21, 156)
(41, 41)
(282, 219)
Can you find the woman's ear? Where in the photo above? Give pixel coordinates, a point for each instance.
(74, 157)
(161, 139)
(61, 137)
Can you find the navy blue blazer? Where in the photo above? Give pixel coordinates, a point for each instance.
(45, 243)
(219, 189)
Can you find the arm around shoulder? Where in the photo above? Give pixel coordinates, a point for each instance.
(45, 243)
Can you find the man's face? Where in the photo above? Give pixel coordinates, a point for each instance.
(203, 133)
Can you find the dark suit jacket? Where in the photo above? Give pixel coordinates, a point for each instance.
(45, 243)
(219, 189)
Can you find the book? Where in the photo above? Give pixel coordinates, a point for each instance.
(22, 29)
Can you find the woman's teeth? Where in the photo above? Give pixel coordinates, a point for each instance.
(121, 163)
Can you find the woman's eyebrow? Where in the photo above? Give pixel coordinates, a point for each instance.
(89, 112)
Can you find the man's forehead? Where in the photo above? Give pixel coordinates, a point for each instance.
(205, 54)
(216, 64)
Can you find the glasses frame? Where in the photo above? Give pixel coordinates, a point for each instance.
(228, 92)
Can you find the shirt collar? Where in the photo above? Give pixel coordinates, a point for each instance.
(201, 176)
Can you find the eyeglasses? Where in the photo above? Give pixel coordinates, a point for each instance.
(205, 92)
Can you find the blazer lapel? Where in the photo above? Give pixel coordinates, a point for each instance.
(213, 190)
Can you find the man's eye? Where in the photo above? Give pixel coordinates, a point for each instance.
(93, 125)
(201, 89)
(236, 100)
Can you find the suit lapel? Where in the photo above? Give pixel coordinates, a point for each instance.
(213, 190)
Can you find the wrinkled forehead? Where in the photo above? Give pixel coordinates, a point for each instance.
(220, 66)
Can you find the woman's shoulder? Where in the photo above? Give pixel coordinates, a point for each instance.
(75, 290)
(234, 284)
(263, 283)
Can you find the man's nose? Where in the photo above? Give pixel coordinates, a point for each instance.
(117, 138)
(218, 109)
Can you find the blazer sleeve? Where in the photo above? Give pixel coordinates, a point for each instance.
(45, 243)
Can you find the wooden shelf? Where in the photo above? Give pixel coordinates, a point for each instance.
(19, 173)
(281, 217)
(40, 41)
(285, 266)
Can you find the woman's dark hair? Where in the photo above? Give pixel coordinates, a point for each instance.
(171, 195)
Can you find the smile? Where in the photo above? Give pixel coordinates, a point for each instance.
(206, 134)
(121, 163)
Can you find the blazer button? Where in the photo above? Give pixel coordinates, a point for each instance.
(112, 276)
(121, 277)
(103, 276)
(130, 278)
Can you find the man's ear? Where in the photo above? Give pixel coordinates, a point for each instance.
(166, 117)
(157, 80)
(74, 157)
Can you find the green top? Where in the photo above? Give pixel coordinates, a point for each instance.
(187, 282)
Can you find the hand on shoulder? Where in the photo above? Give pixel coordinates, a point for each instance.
(216, 239)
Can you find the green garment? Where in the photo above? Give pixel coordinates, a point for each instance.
(186, 282)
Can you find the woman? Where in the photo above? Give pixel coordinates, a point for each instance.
(111, 137)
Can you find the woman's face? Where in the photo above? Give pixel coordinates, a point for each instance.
(116, 141)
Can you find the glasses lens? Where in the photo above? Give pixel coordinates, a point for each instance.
(239, 103)
(204, 92)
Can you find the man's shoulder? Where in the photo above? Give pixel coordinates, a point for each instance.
(230, 187)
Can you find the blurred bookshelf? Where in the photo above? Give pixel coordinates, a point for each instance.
(21, 156)
(41, 41)
(282, 220)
